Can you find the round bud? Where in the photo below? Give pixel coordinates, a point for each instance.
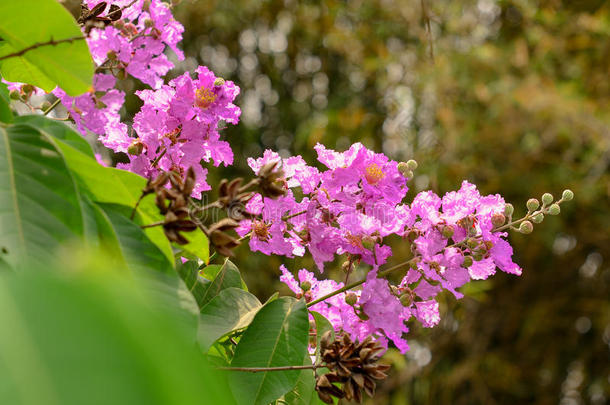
(219, 82)
(526, 227)
(351, 298)
(498, 219)
(409, 174)
(111, 55)
(406, 300)
(27, 89)
(567, 195)
(532, 204)
(412, 164)
(14, 94)
(305, 286)
(547, 198)
(472, 243)
(135, 148)
(148, 23)
(509, 209)
(554, 209)
(477, 256)
(467, 261)
(45, 105)
(346, 265)
(447, 231)
(538, 218)
(368, 242)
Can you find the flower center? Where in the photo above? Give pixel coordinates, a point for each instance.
(373, 174)
(204, 97)
(261, 230)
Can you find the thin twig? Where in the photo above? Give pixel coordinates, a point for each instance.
(264, 369)
(50, 42)
(153, 225)
(52, 106)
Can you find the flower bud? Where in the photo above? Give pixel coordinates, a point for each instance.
(554, 209)
(412, 164)
(447, 231)
(538, 218)
(148, 23)
(368, 242)
(547, 198)
(532, 204)
(111, 55)
(498, 219)
(526, 227)
(14, 94)
(477, 256)
(467, 261)
(351, 298)
(403, 168)
(472, 243)
(219, 82)
(135, 148)
(305, 286)
(27, 89)
(567, 195)
(405, 300)
(509, 209)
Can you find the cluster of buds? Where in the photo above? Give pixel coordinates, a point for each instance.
(536, 212)
(352, 365)
(173, 202)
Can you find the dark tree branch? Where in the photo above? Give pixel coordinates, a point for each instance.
(51, 42)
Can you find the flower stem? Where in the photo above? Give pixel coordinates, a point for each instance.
(264, 369)
(55, 104)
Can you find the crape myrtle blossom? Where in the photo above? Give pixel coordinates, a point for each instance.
(350, 208)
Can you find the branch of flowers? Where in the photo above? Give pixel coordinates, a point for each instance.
(264, 369)
(51, 42)
(52, 106)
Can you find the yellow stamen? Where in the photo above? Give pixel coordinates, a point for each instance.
(373, 174)
(204, 97)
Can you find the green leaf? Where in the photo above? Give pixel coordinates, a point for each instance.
(230, 310)
(6, 115)
(198, 245)
(323, 325)
(28, 22)
(304, 392)
(276, 337)
(40, 204)
(96, 340)
(215, 279)
(102, 184)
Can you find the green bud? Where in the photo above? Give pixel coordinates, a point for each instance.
(554, 209)
(368, 243)
(532, 204)
(135, 148)
(538, 218)
(472, 243)
(412, 164)
(149, 23)
(111, 55)
(403, 167)
(467, 261)
(27, 89)
(447, 231)
(219, 82)
(351, 299)
(14, 94)
(305, 286)
(409, 174)
(477, 256)
(509, 209)
(498, 220)
(547, 198)
(567, 195)
(406, 300)
(526, 227)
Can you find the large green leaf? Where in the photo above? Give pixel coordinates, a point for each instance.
(304, 392)
(323, 325)
(102, 184)
(25, 23)
(96, 340)
(215, 279)
(277, 336)
(40, 204)
(230, 310)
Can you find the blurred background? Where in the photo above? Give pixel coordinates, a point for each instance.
(511, 95)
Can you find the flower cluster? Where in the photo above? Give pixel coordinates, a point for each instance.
(349, 209)
(177, 127)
